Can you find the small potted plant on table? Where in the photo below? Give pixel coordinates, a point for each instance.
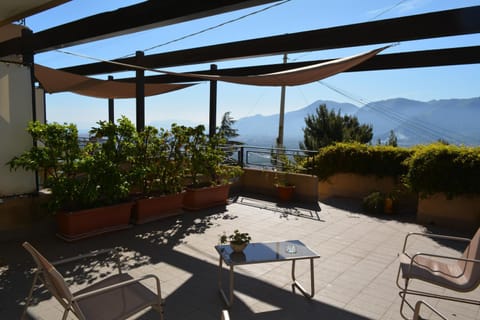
(238, 240)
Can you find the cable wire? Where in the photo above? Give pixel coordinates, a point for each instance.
(210, 28)
(414, 126)
(388, 9)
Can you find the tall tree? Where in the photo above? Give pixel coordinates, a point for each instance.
(392, 139)
(327, 127)
(226, 128)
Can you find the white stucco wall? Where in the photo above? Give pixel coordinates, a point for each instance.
(15, 113)
(40, 105)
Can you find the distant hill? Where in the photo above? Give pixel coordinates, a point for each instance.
(414, 122)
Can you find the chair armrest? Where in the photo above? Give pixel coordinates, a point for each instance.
(121, 284)
(433, 236)
(416, 314)
(90, 255)
(442, 256)
(412, 259)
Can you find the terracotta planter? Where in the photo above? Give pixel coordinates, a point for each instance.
(238, 247)
(285, 193)
(207, 197)
(154, 208)
(388, 207)
(90, 222)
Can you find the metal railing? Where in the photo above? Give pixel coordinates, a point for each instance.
(253, 156)
(266, 157)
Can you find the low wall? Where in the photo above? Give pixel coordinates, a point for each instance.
(352, 185)
(23, 216)
(263, 182)
(356, 186)
(462, 212)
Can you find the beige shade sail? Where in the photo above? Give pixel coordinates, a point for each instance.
(53, 81)
(293, 77)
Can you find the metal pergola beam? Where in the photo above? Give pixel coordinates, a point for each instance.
(416, 59)
(423, 26)
(134, 18)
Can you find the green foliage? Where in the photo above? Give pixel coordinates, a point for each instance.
(116, 158)
(79, 178)
(392, 139)
(158, 163)
(325, 128)
(374, 203)
(226, 129)
(436, 168)
(206, 158)
(112, 159)
(56, 154)
(236, 237)
(361, 159)
(56, 149)
(450, 169)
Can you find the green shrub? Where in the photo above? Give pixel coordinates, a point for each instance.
(374, 203)
(444, 168)
(435, 168)
(361, 159)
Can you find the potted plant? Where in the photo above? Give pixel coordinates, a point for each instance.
(380, 202)
(284, 166)
(88, 186)
(209, 175)
(238, 240)
(158, 171)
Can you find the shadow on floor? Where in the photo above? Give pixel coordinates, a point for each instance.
(155, 243)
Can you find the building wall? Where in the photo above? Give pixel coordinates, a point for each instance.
(15, 113)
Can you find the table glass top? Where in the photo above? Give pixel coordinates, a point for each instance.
(266, 252)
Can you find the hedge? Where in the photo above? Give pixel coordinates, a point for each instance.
(435, 168)
(361, 159)
(452, 170)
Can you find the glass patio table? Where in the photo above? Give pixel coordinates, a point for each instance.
(263, 252)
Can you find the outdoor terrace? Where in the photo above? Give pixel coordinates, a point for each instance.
(354, 277)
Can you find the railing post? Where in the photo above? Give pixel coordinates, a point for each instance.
(240, 157)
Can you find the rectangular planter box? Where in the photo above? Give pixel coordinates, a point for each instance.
(90, 222)
(154, 208)
(207, 197)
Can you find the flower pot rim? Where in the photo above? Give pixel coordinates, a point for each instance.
(73, 211)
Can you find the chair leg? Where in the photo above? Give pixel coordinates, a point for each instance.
(403, 294)
(65, 314)
(30, 294)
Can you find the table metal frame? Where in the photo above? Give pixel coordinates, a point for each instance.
(295, 284)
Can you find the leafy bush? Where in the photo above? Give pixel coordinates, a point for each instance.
(444, 168)
(374, 203)
(80, 178)
(361, 159)
(435, 168)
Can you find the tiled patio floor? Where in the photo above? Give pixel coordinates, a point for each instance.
(354, 278)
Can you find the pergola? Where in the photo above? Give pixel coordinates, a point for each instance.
(151, 14)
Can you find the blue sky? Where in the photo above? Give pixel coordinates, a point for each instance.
(190, 105)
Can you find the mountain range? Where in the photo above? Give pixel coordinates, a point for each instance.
(455, 121)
